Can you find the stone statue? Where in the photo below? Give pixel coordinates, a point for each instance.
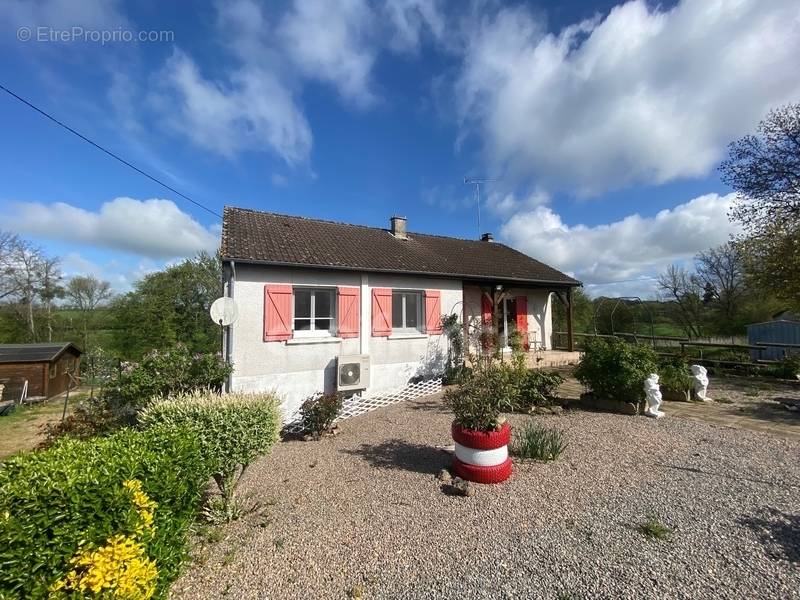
(700, 376)
(652, 393)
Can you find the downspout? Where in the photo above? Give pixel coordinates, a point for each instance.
(228, 291)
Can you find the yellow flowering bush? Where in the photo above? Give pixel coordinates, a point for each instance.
(120, 569)
(64, 509)
(144, 506)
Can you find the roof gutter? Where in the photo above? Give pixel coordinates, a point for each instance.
(572, 283)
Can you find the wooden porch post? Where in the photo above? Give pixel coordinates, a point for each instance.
(570, 333)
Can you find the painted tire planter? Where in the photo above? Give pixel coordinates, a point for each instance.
(482, 456)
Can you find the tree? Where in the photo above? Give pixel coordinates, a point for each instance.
(720, 272)
(764, 169)
(168, 307)
(86, 293)
(49, 288)
(25, 277)
(9, 245)
(686, 295)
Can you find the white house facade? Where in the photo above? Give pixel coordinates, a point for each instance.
(307, 296)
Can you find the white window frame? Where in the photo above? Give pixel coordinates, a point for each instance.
(420, 328)
(312, 332)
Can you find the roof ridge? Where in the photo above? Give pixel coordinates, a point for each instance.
(317, 220)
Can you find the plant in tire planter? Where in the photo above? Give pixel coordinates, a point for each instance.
(480, 434)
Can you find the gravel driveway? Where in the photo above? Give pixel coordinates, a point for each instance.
(362, 511)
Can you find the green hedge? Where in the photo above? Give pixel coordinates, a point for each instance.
(61, 501)
(615, 369)
(233, 429)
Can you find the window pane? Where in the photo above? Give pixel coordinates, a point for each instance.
(302, 303)
(302, 324)
(397, 310)
(412, 310)
(322, 324)
(322, 304)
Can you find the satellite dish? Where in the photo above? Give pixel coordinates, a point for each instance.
(223, 311)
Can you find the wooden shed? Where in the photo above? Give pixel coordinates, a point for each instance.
(44, 366)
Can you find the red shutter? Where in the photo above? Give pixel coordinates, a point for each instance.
(486, 309)
(381, 312)
(522, 319)
(349, 311)
(277, 312)
(433, 311)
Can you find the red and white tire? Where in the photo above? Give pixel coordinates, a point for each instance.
(476, 474)
(482, 440)
(482, 456)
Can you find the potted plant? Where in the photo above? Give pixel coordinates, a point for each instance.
(480, 434)
(676, 382)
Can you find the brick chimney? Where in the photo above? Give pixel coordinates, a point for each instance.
(487, 237)
(398, 227)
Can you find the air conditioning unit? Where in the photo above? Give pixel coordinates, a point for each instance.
(352, 372)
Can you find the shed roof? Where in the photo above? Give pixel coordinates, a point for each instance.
(276, 239)
(15, 353)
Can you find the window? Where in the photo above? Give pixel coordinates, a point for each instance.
(407, 311)
(314, 311)
(53, 370)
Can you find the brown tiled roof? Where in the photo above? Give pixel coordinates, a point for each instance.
(270, 238)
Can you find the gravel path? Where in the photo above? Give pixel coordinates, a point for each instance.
(363, 511)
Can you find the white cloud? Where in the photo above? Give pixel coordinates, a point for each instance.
(411, 18)
(508, 203)
(642, 95)
(253, 110)
(329, 40)
(634, 248)
(155, 229)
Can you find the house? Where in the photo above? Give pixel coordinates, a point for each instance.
(310, 291)
(44, 366)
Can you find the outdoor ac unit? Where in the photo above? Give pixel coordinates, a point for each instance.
(352, 372)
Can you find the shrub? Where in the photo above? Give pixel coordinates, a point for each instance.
(89, 419)
(674, 375)
(615, 369)
(60, 507)
(535, 442)
(537, 388)
(788, 368)
(164, 372)
(159, 374)
(232, 430)
(318, 413)
(478, 400)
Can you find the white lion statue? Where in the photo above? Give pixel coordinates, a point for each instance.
(652, 393)
(700, 376)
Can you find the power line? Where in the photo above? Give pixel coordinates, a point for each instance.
(109, 152)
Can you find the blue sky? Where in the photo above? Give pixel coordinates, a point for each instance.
(602, 123)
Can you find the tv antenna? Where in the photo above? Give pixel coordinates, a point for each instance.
(477, 181)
